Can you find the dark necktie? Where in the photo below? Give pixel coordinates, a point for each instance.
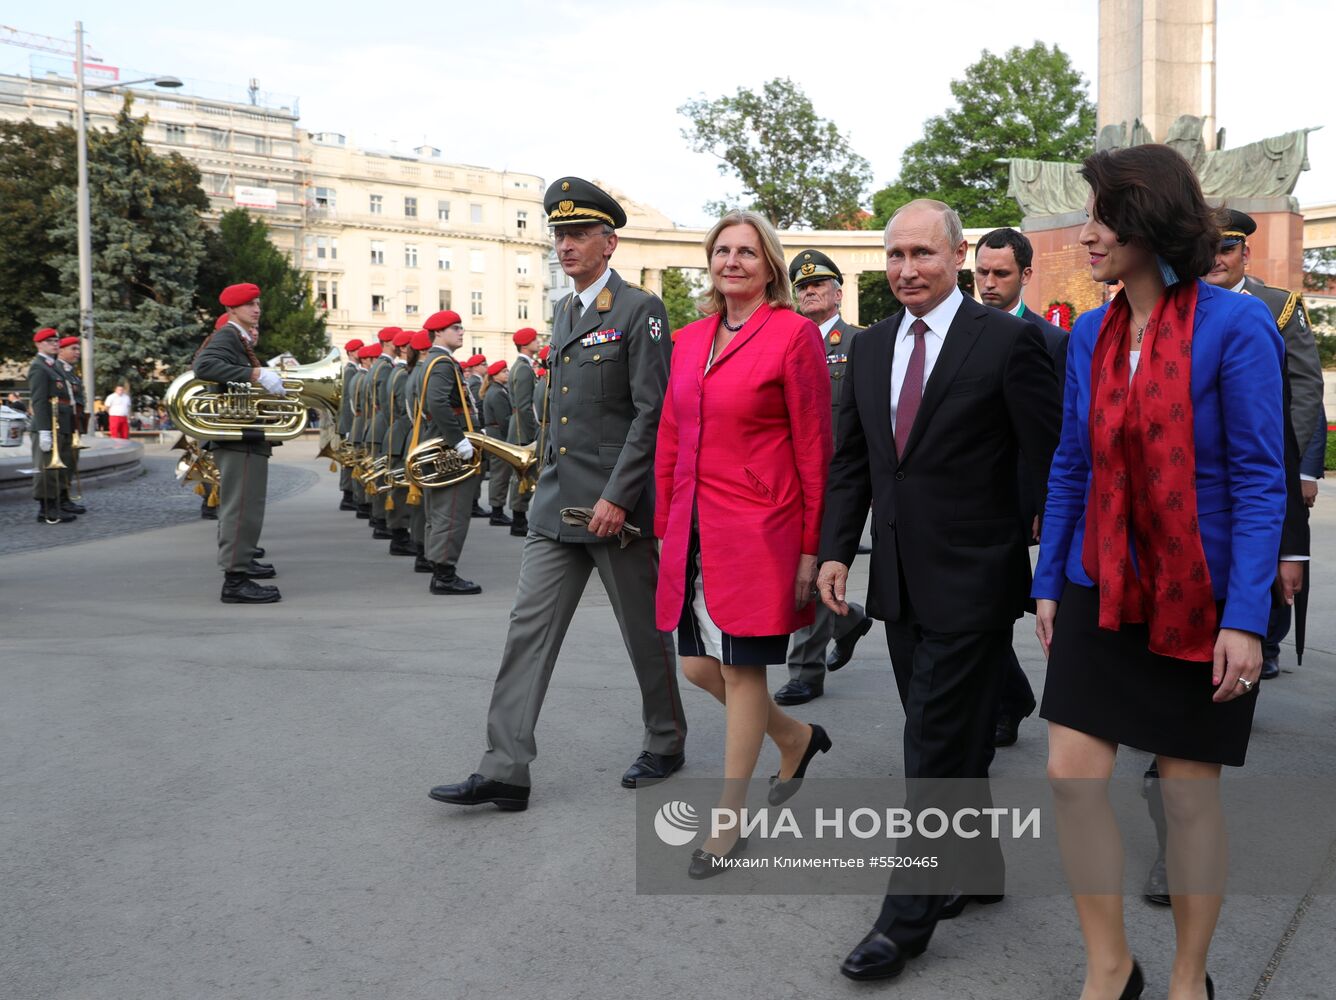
(911, 392)
(577, 309)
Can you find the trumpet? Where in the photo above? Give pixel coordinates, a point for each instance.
(55, 462)
(434, 464)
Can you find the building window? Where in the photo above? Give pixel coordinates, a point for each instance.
(324, 199)
(326, 248)
(443, 210)
(377, 252)
(327, 294)
(522, 265)
(475, 303)
(333, 248)
(443, 299)
(478, 346)
(411, 309)
(522, 310)
(378, 303)
(475, 214)
(175, 134)
(410, 255)
(477, 261)
(410, 208)
(521, 220)
(309, 244)
(377, 204)
(261, 145)
(445, 258)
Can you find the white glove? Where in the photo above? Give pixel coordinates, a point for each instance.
(465, 449)
(44, 440)
(272, 382)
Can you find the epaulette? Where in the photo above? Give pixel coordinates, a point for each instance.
(1287, 313)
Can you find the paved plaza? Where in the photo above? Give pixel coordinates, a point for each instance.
(200, 800)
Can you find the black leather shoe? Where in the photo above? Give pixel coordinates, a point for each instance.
(864, 550)
(499, 518)
(519, 527)
(347, 502)
(651, 768)
(260, 571)
(446, 581)
(381, 533)
(364, 511)
(706, 865)
(1157, 884)
(208, 513)
(51, 513)
(475, 790)
(1136, 984)
(798, 693)
(259, 552)
(401, 544)
(70, 507)
(955, 905)
(1270, 664)
(240, 589)
(1008, 729)
(878, 957)
(783, 790)
(423, 565)
(844, 648)
(478, 510)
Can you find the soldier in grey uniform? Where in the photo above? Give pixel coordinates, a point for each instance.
(228, 356)
(345, 424)
(496, 411)
(524, 419)
(446, 414)
(46, 381)
(474, 370)
(610, 353)
(396, 446)
(380, 422)
(418, 347)
(358, 435)
(67, 358)
(819, 287)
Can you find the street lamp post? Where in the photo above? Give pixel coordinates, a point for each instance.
(83, 211)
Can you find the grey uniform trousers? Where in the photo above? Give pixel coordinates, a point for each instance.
(807, 651)
(498, 481)
(449, 513)
(50, 485)
(552, 580)
(417, 521)
(243, 482)
(518, 504)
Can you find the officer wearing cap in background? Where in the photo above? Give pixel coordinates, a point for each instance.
(496, 412)
(67, 357)
(381, 368)
(418, 347)
(524, 418)
(397, 512)
(228, 355)
(819, 288)
(475, 368)
(47, 382)
(610, 352)
(345, 424)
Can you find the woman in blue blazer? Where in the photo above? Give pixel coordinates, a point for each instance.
(1159, 545)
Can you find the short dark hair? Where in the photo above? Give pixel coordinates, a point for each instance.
(1000, 239)
(1149, 196)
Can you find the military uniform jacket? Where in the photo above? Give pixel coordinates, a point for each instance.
(76, 396)
(1301, 357)
(365, 400)
(523, 423)
(45, 381)
(837, 341)
(412, 393)
(357, 434)
(496, 409)
(381, 369)
(346, 400)
(442, 404)
(224, 359)
(396, 437)
(607, 377)
(473, 386)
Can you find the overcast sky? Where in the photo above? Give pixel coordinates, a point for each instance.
(566, 86)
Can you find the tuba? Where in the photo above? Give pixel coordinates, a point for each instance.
(241, 410)
(433, 464)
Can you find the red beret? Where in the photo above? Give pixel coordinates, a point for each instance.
(421, 341)
(373, 350)
(353, 345)
(496, 368)
(46, 333)
(473, 362)
(403, 338)
(220, 322)
(239, 295)
(364, 352)
(442, 320)
(526, 336)
(387, 334)
(547, 349)
(68, 341)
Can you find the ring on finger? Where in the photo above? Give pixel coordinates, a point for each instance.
(1247, 684)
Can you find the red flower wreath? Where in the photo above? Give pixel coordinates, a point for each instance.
(1060, 314)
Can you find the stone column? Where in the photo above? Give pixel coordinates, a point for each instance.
(651, 279)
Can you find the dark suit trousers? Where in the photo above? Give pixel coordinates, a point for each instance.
(949, 684)
(1017, 697)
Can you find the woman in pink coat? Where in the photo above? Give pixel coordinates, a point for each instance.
(744, 444)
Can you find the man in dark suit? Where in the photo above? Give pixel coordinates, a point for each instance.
(1002, 268)
(944, 396)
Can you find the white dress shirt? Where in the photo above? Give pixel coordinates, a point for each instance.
(939, 322)
(588, 296)
(826, 327)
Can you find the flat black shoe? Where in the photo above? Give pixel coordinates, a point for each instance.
(1156, 891)
(783, 790)
(1136, 983)
(347, 503)
(54, 515)
(478, 510)
(956, 904)
(364, 515)
(1270, 664)
(208, 513)
(499, 519)
(70, 507)
(447, 582)
(1008, 728)
(798, 693)
(259, 552)
(878, 957)
(421, 565)
(519, 526)
(401, 544)
(844, 648)
(240, 589)
(706, 865)
(864, 550)
(650, 768)
(381, 534)
(260, 571)
(475, 790)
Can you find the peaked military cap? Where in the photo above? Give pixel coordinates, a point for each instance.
(572, 200)
(813, 265)
(1238, 227)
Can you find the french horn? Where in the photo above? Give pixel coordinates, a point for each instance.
(434, 464)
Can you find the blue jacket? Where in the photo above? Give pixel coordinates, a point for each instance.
(1238, 423)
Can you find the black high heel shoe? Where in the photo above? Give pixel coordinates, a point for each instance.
(1210, 988)
(782, 791)
(1136, 982)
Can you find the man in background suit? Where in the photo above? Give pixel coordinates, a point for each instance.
(944, 396)
(1002, 269)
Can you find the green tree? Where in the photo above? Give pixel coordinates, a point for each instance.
(679, 297)
(795, 167)
(240, 250)
(876, 301)
(1319, 268)
(147, 242)
(35, 162)
(1029, 104)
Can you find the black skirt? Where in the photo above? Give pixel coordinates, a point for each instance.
(698, 635)
(1111, 686)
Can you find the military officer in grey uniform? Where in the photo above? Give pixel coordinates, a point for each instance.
(524, 419)
(396, 446)
(381, 368)
(47, 382)
(67, 358)
(819, 287)
(496, 412)
(1304, 368)
(418, 347)
(610, 351)
(228, 356)
(345, 424)
(446, 413)
(359, 424)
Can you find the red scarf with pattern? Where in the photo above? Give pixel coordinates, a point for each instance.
(1144, 481)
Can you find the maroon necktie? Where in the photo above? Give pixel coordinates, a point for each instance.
(911, 392)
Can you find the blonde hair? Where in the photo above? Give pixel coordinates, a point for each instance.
(778, 291)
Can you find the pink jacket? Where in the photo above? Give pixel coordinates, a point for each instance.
(748, 445)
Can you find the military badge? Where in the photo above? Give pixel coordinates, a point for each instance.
(604, 301)
(835, 338)
(655, 329)
(808, 268)
(601, 337)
